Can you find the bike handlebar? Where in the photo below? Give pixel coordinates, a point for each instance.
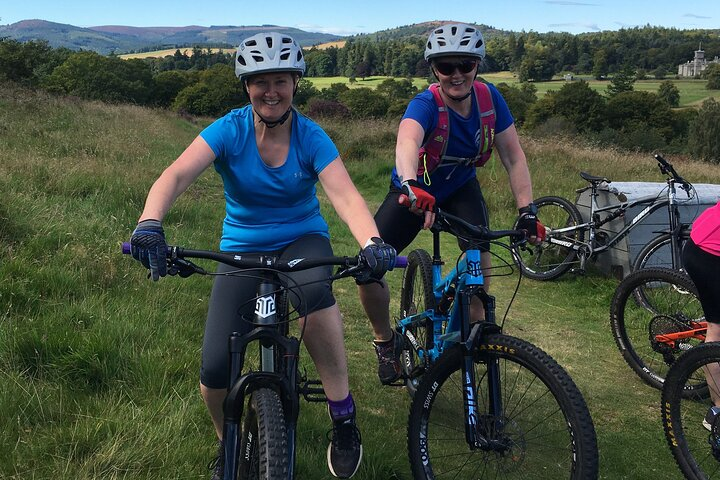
(666, 168)
(450, 223)
(177, 254)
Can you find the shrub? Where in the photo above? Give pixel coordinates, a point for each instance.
(319, 107)
(364, 103)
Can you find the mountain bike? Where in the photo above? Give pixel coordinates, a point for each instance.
(655, 316)
(571, 241)
(696, 447)
(262, 405)
(485, 404)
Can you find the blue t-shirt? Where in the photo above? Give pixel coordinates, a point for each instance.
(463, 142)
(268, 208)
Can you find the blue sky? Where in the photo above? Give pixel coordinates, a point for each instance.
(364, 16)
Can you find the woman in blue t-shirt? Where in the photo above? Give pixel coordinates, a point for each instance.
(455, 52)
(270, 158)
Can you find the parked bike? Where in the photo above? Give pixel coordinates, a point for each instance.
(571, 241)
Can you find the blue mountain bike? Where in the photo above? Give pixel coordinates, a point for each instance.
(485, 404)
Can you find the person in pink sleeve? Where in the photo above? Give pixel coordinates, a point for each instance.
(701, 260)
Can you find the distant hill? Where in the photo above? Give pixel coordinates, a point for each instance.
(121, 39)
(422, 30)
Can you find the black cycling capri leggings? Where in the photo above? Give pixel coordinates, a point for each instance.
(703, 268)
(233, 298)
(398, 226)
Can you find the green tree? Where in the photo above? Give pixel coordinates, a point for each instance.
(535, 66)
(630, 110)
(659, 73)
(396, 89)
(669, 93)
(576, 102)
(600, 64)
(20, 60)
(519, 99)
(704, 135)
(168, 84)
(365, 103)
(712, 74)
(94, 76)
(622, 81)
(216, 92)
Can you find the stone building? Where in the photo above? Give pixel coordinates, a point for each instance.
(694, 67)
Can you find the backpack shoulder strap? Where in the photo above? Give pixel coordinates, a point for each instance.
(486, 108)
(436, 144)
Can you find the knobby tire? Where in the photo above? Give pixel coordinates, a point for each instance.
(545, 431)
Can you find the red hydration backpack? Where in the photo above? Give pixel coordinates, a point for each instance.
(432, 154)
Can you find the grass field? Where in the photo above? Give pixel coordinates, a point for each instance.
(692, 92)
(99, 365)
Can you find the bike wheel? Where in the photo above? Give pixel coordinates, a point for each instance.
(696, 451)
(417, 296)
(263, 444)
(658, 253)
(544, 432)
(668, 305)
(547, 260)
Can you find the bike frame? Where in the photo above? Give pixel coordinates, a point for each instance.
(467, 281)
(618, 210)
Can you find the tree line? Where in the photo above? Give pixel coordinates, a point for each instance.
(204, 83)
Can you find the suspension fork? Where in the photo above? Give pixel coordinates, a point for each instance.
(473, 335)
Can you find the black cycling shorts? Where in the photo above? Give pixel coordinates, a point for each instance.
(703, 268)
(398, 226)
(233, 299)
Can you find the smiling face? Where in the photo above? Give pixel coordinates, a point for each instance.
(455, 74)
(271, 94)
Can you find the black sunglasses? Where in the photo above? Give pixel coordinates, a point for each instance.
(447, 68)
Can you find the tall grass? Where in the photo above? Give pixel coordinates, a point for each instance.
(99, 365)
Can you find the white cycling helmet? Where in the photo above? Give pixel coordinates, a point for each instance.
(455, 39)
(268, 52)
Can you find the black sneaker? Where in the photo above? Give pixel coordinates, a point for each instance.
(217, 465)
(710, 417)
(345, 450)
(388, 353)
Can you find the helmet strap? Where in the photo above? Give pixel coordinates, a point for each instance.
(273, 124)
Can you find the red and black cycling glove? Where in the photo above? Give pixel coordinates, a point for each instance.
(419, 197)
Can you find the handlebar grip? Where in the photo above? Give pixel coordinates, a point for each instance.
(401, 261)
(126, 248)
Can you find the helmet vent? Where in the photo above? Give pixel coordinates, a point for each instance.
(251, 43)
(284, 55)
(268, 40)
(258, 58)
(454, 30)
(241, 61)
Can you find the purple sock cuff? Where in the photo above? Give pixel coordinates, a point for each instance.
(342, 409)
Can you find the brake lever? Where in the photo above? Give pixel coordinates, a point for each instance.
(183, 268)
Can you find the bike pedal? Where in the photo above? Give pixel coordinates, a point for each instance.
(312, 391)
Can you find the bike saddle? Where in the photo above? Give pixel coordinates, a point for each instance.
(593, 179)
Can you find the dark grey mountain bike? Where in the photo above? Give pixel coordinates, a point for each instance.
(571, 241)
